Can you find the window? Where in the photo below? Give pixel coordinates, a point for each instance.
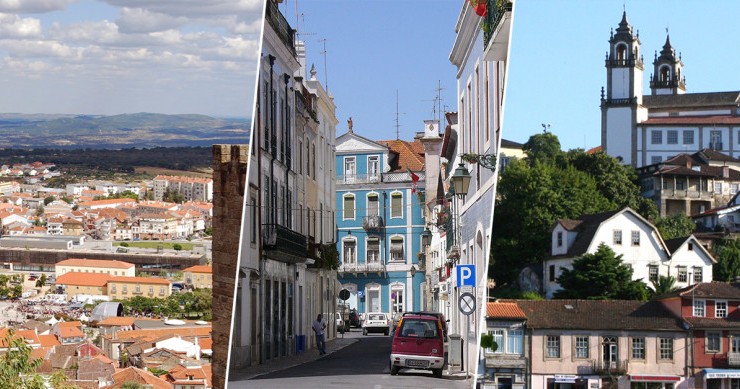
(657, 137)
(581, 347)
(720, 309)
(397, 298)
(253, 216)
(498, 338)
(397, 249)
(672, 137)
(560, 238)
(552, 273)
(682, 274)
(688, 137)
(515, 342)
(653, 273)
(666, 349)
(151, 288)
(635, 238)
(373, 204)
(396, 205)
(373, 251)
(680, 184)
(124, 289)
(698, 276)
(349, 207)
(656, 159)
(715, 140)
(638, 348)
(717, 187)
(373, 168)
(699, 308)
(350, 169)
(552, 346)
(713, 342)
(617, 237)
(350, 250)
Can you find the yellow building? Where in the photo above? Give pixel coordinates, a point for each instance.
(128, 287)
(111, 267)
(87, 284)
(199, 276)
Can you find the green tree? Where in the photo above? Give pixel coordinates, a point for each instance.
(40, 210)
(676, 226)
(600, 276)
(17, 366)
(543, 147)
(132, 385)
(49, 199)
(663, 285)
(41, 281)
(728, 260)
(177, 247)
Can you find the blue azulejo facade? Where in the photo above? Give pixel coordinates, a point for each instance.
(379, 223)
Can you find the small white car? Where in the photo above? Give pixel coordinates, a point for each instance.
(340, 323)
(376, 322)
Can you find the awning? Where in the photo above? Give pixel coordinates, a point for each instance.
(654, 378)
(721, 373)
(396, 247)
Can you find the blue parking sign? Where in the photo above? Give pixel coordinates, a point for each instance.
(465, 275)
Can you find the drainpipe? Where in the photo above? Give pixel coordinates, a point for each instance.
(286, 139)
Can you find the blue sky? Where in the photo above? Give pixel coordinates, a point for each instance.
(375, 48)
(557, 58)
(123, 56)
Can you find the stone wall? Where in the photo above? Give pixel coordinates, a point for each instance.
(229, 183)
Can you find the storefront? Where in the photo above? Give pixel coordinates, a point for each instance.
(570, 382)
(645, 381)
(721, 378)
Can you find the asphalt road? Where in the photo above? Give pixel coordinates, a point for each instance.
(364, 364)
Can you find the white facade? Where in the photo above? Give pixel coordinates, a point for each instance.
(636, 240)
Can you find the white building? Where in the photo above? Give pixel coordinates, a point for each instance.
(480, 54)
(647, 129)
(630, 235)
(192, 188)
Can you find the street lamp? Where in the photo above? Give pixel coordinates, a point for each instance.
(412, 271)
(426, 237)
(461, 181)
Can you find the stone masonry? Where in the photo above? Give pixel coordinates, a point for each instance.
(229, 183)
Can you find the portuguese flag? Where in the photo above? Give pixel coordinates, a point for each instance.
(414, 180)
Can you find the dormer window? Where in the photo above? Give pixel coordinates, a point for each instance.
(560, 238)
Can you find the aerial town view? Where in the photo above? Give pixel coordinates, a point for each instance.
(108, 115)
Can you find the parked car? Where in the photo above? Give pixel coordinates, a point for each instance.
(340, 323)
(376, 322)
(440, 316)
(354, 319)
(418, 343)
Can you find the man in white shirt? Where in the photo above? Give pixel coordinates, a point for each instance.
(318, 328)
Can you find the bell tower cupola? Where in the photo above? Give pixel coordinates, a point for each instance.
(667, 77)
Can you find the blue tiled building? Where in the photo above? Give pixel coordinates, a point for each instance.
(379, 222)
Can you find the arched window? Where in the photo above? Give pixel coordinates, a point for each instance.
(397, 297)
(348, 207)
(621, 52)
(373, 204)
(349, 251)
(665, 74)
(397, 249)
(396, 205)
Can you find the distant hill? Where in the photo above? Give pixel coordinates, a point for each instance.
(119, 131)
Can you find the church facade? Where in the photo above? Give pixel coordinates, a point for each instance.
(644, 129)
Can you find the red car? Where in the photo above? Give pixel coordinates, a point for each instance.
(418, 343)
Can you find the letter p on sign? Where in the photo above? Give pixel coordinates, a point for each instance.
(465, 275)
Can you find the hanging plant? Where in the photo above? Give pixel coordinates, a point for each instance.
(420, 195)
(479, 6)
(443, 216)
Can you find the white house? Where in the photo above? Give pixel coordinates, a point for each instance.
(637, 240)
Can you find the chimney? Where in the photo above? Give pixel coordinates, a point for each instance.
(725, 171)
(688, 163)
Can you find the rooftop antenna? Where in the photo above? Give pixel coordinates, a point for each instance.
(545, 127)
(398, 121)
(326, 76)
(439, 99)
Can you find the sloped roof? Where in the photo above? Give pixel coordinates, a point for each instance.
(408, 153)
(83, 279)
(134, 374)
(601, 314)
(199, 269)
(504, 310)
(714, 290)
(97, 263)
(711, 99)
(510, 144)
(586, 227)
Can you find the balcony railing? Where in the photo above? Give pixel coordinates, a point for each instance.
(283, 240)
(365, 267)
(672, 83)
(715, 145)
(496, 9)
(372, 223)
(733, 359)
(281, 26)
(378, 177)
(609, 368)
(685, 194)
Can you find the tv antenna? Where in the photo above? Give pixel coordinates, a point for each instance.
(326, 75)
(398, 121)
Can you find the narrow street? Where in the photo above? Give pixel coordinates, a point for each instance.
(363, 364)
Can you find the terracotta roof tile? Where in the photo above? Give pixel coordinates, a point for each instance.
(501, 310)
(117, 321)
(199, 269)
(83, 279)
(97, 263)
(408, 155)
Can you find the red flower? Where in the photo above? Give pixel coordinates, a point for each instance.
(479, 6)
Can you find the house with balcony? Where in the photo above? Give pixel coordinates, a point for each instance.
(379, 222)
(691, 184)
(634, 238)
(581, 344)
(711, 311)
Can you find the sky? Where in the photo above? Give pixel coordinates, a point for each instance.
(375, 48)
(125, 56)
(556, 67)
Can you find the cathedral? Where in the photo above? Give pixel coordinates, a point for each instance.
(645, 129)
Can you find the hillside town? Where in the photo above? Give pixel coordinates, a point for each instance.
(107, 284)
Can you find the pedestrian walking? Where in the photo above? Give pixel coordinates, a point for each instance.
(318, 327)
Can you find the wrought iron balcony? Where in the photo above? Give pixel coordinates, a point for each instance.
(372, 223)
(364, 267)
(281, 26)
(609, 368)
(672, 83)
(497, 11)
(377, 177)
(617, 63)
(282, 243)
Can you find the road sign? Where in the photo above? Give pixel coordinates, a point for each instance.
(465, 275)
(344, 294)
(466, 302)
(360, 294)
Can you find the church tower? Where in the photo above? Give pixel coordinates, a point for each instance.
(667, 78)
(621, 102)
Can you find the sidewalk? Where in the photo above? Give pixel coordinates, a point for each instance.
(309, 355)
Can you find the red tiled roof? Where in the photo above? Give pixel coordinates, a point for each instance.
(199, 269)
(70, 332)
(499, 310)
(133, 374)
(408, 156)
(715, 119)
(98, 263)
(117, 321)
(83, 279)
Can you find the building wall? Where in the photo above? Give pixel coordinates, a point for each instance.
(200, 280)
(62, 269)
(74, 290)
(127, 290)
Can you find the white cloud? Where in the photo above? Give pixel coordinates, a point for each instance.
(139, 20)
(33, 6)
(15, 27)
